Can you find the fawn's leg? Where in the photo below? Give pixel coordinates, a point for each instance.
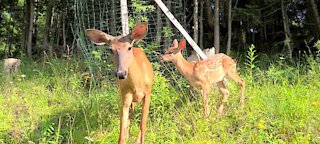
(233, 75)
(225, 95)
(205, 100)
(124, 116)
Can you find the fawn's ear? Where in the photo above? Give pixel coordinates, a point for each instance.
(182, 44)
(174, 43)
(139, 31)
(98, 37)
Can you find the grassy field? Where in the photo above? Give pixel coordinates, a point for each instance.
(46, 103)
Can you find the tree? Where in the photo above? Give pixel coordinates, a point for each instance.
(201, 25)
(159, 26)
(315, 15)
(287, 41)
(216, 26)
(210, 22)
(195, 21)
(30, 6)
(124, 17)
(168, 23)
(229, 26)
(47, 28)
(113, 17)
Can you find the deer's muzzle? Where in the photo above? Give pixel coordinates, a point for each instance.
(122, 74)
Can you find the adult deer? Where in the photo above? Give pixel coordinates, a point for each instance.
(202, 74)
(135, 74)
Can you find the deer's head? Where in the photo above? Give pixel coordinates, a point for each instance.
(171, 54)
(121, 46)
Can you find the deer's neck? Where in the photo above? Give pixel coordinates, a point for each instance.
(184, 67)
(140, 71)
(135, 71)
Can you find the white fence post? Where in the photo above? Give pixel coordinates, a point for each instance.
(124, 17)
(180, 28)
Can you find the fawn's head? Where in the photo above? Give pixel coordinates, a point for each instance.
(121, 46)
(171, 54)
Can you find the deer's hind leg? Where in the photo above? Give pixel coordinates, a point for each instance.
(232, 73)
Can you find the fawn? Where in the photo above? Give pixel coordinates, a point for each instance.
(202, 74)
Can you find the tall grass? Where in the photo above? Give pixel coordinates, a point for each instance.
(45, 102)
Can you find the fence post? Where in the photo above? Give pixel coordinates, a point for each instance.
(124, 17)
(180, 28)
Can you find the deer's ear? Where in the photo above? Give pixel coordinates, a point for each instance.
(182, 44)
(139, 31)
(98, 37)
(175, 43)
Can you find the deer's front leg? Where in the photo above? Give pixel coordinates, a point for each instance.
(124, 116)
(143, 123)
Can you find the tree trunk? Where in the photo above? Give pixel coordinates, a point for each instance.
(315, 14)
(168, 41)
(30, 29)
(229, 27)
(58, 32)
(159, 26)
(168, 4)
(287, 41)
(64, 19)
(35, 19)
(209, 13)
(195, 21)
(1, 9)
(184, 19)
(201, 25)
(25, 28)
(113, 18)
(180, 28)
(216, 26)
(47, 27)
(124, 17)
(210, 21)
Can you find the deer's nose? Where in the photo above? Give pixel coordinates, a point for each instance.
(121, 74)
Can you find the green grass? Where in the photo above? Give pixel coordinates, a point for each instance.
(50, 105)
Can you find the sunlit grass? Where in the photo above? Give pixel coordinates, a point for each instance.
(46, 103)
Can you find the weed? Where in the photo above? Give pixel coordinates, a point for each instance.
(45, 102)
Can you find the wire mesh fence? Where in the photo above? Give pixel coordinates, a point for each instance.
(106, 16)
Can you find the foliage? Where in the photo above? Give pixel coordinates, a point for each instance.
(317, 45)
(10, 31)
(140, 8)
(251, 60)
(48, 102)
(45, 102)
(167, 32)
